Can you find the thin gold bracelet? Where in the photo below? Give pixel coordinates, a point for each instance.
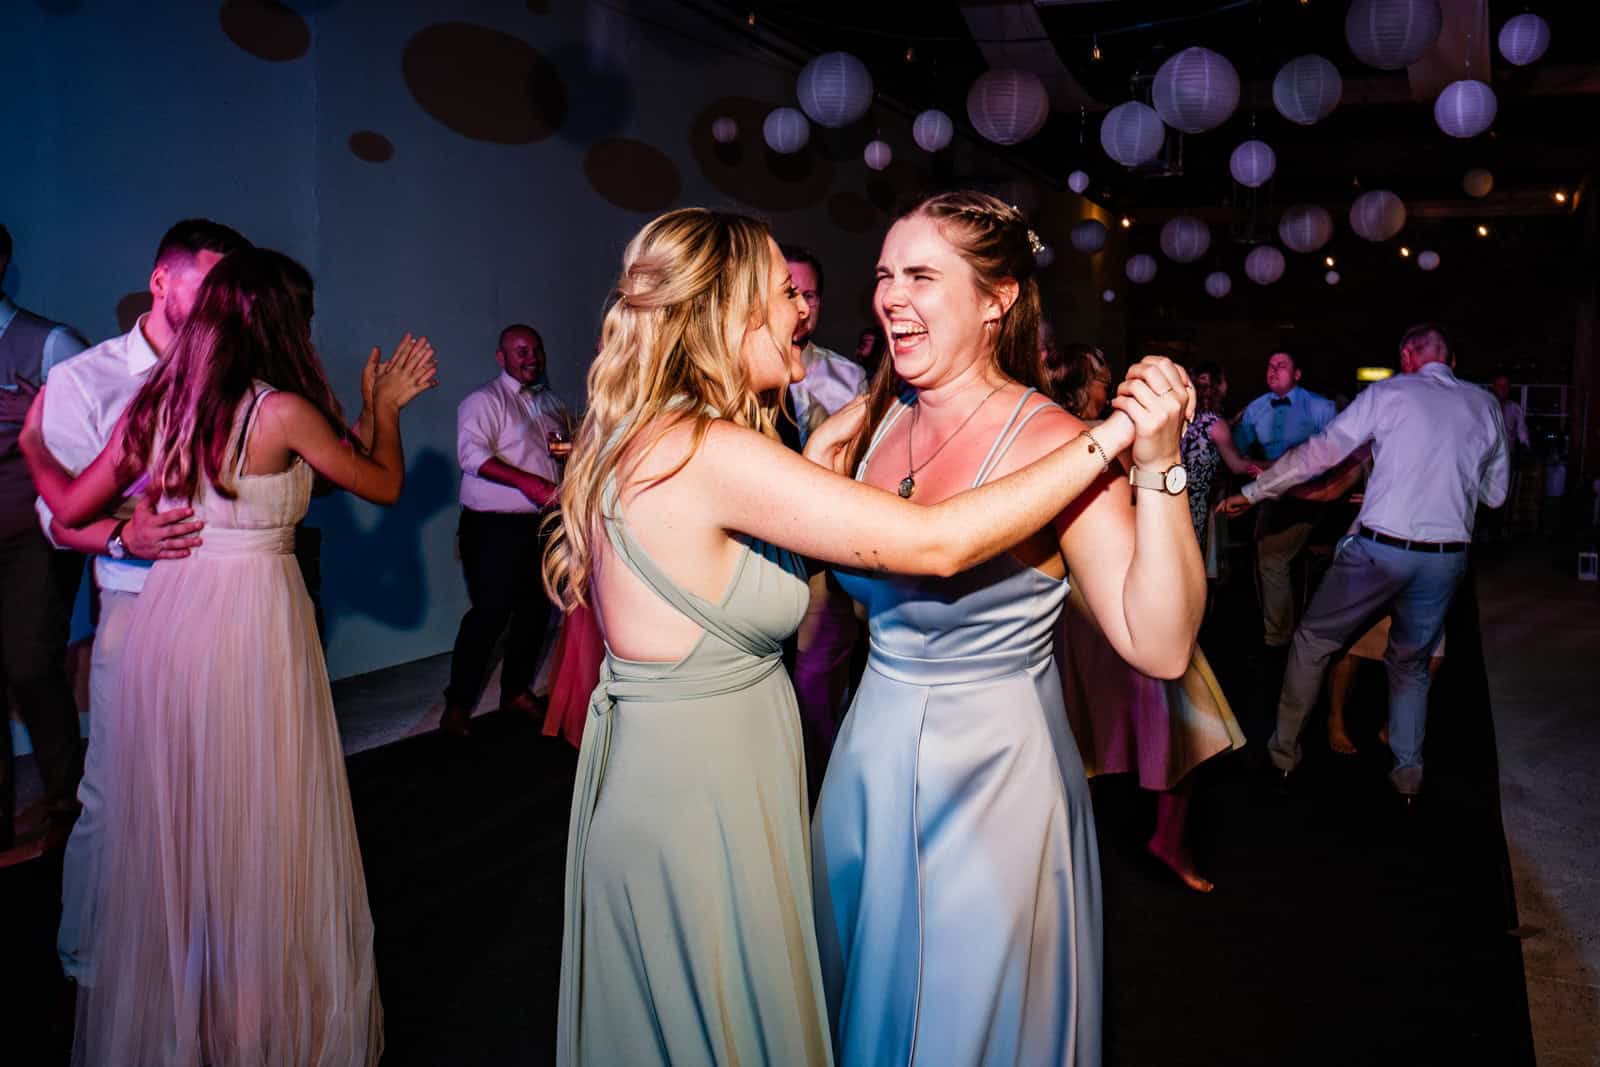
(1096, 446)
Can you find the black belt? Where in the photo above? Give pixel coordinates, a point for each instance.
(1412, 546)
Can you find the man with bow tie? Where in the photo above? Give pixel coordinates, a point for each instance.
(1277, 420)
(505, 430)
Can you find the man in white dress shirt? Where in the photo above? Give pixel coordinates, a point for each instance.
(1439, 449)
(508, 479)
(83, 399)
(1499, 524)
(830, 630)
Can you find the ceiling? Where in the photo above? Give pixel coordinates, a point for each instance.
(927, 55)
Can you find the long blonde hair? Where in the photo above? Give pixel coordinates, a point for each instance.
(993, 237)
(693, 282)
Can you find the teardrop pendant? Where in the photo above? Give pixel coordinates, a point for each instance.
(908, 485)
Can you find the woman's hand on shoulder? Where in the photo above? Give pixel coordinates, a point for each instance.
(828, 443)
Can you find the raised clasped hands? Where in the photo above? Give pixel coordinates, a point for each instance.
(407, 374)
(1159, 401)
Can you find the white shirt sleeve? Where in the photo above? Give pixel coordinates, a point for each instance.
(475, 437)
(1348, 431)
(1496, 481)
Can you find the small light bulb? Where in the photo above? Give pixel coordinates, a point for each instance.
(1404, 251)
(1328, 260)
(1561, 198)
(1126, 222)
(751, 20)
(1094, 52)
(1483, 231)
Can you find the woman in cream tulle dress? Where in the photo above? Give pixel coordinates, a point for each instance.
(234, 922)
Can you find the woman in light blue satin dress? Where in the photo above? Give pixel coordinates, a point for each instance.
(954, 861)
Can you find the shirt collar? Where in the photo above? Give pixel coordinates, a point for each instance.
(141, 357)
(1436, 368)
(515, 386)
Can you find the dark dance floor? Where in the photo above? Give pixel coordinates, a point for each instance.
(1342, 931)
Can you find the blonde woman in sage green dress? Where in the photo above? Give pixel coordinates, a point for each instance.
(689, 935)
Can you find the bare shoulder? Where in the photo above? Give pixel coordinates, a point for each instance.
(1049, 426)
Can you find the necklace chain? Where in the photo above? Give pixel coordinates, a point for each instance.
(908, 484)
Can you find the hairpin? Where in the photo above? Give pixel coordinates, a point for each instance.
(1034, 243)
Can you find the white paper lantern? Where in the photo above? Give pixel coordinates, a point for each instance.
(1088, 236)
(1253, 163)
(1390, 34)
(1477, 182)
(724, 130)
(877, 154)
(1008, 106)
(1218, 284)
(1428, 259)
(834, 89)
(932, 130)
(1378, 215)
(786, 130)
(1305, 228)
(1465, 109)
(1307, 90)
(1108, 295)
(1264, 265)
(1332, 277)
(1077, 181)
(1185, 238)
(1140, 269)
(1044, 257)
(1196, 90)
(1524, 38)
(1131, 133)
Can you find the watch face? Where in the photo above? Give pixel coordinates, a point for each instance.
(1177, 478)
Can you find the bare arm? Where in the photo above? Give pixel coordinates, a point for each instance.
(538, 490)
(74, 501)
(148, 533)
(1237, 462)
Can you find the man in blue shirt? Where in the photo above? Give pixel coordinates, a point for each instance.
(1277, 420)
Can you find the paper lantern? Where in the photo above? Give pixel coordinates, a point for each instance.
(1108, 295)
(1253, 163)
(1428, 259)
(1307, 90)
(724, 130)
(1390, 34)
(1131, 133)
(1378, 215)
(1195, 90)
(786, 130)
(1140, 269)
(1465, 109)
(1524, 38)
(1044, 257)
(877, 154)
(1477, 182)
(834, 89)
(932, 130)
(1008, 106)
(1185, 238)
(1077, 181)
(1332, 277)
(1218, 284)
(1264, 265)
(1305, 228)
(1088, 236)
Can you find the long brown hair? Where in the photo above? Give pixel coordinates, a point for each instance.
(249, 324)
(692, 283)
(1068, 372)
(993, 237)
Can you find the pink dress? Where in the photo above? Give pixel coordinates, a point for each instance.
(1125, 721)
(579, 651)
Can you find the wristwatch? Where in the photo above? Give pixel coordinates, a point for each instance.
(114, 546)
(1172, 480)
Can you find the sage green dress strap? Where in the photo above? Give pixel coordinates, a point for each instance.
(688, 934)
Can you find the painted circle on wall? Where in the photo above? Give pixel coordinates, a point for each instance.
(632, 174)
(266, 29)
(750, 172)
(371, 146)
(484, 84)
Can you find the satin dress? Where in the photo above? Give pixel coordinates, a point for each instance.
(956, 872)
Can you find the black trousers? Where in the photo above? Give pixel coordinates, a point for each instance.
(500, 557)
(37, 588)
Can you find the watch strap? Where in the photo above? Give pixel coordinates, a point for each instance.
(116, 539)
(1143, 479)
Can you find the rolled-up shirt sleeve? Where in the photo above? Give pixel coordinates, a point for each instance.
(1348, 431)
(475, 444)
(69, 433)
(62, 344)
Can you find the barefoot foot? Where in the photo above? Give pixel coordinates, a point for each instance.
(1183, 867)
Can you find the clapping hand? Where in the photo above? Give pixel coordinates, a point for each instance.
(411, 371)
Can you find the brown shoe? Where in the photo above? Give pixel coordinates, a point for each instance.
(456, 720)
(527, 703)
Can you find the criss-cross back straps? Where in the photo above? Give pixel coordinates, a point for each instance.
(710, 617)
